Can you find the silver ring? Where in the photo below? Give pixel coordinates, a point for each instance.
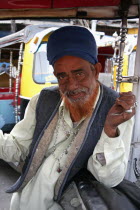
(131, 108)
(136, 104)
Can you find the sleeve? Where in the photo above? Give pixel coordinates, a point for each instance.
(108, 164)
(15, 145)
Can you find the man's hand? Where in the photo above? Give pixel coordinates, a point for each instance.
(121, 111)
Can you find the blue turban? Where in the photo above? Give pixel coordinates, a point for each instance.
(72, 40)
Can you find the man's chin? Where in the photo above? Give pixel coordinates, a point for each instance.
(77, 101)
(80, 106)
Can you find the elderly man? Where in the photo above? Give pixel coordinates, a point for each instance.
(82, 125)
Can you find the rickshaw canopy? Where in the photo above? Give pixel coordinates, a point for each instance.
(25, 35)
(67, 9)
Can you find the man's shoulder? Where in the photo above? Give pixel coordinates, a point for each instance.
(108, 92)
(50, 89)
(49, 95)
(48, 101)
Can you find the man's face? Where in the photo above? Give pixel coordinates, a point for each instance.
(77, 78)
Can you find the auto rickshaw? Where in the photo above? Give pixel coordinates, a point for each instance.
(26, 72)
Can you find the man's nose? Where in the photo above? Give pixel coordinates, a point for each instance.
(72, 83)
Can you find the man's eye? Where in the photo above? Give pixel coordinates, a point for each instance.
(60, 77)
(80, 74)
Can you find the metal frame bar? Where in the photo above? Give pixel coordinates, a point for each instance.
(18, 82)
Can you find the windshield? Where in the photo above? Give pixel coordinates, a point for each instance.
(42, 71)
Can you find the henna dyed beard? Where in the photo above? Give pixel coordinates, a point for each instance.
(81, 109)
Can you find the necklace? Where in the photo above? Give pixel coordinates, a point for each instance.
(67, 133)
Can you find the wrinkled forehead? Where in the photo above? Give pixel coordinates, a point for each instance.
(71, 64)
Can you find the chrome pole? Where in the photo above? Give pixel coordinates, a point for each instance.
(123, 31)
(10, 71)
(18, 82)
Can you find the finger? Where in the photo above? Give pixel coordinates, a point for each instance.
(119, 118)
(125, 104)
(128, 115)
(130, 93)
(132, 108)
(118, 110)
(126, 101)
(127, 95)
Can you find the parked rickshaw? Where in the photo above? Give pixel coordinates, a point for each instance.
(26, 72)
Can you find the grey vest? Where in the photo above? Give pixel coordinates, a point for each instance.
(47, 106)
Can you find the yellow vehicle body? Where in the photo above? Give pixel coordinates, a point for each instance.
(28, 87)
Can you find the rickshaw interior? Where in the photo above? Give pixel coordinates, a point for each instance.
(17, 86)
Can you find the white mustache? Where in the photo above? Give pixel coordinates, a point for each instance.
(73, 92)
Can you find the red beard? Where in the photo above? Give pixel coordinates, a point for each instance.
(79, 110)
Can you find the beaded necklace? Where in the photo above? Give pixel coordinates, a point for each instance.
(67, 133)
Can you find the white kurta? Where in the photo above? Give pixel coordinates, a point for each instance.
(39, 192)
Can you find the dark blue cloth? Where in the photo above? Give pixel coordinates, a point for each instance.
(72, 40)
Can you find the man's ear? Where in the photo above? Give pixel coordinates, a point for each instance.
(97, 70)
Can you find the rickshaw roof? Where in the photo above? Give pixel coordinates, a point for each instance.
(70, 8)
(24, 35)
